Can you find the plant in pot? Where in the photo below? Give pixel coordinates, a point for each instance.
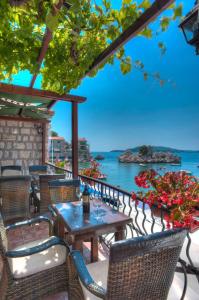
(177, 193)
(93, 171)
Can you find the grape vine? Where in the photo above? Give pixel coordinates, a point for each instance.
(81, 29)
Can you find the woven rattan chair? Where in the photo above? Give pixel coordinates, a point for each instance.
(11, 170)
(14, 194)
(38, 169)
(35, 171)
(139, 268)
(45, 198)
(64, 190)
(37, 269)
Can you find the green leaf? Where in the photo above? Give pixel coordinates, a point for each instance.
(52, 21)
(145, 4)
(177, 11)
(147, 32)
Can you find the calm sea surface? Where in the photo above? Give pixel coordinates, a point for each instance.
(123, 174)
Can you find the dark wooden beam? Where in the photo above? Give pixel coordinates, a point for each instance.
(44, 127)
(46, 95)
(147, 17)
(52, 103)
(10, 118)
(46, 41)
(75, 140)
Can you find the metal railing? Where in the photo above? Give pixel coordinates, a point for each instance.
(145, 220)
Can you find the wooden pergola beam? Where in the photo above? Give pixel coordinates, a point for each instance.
(46, 95)
(143, 21)
(46, 41)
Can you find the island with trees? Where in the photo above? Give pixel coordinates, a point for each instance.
(146, 154)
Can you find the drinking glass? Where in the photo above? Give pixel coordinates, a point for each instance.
(97, 204)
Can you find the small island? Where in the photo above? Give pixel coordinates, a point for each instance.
(146, 154)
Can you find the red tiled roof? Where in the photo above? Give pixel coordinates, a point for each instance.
(56, 138)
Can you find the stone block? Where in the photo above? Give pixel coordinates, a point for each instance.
(28, 125)
(25, 131)
(20, 146)
(10, 145)
(8, 137)
(14, 130)
(29, 146)
(7, 130)
(19, 162)
(7, 162)
(38, 138)
(25, 138)
(14, 154)
(24, 154)
(21, 124)
(1, 154)
(2, 123)
(19, 138)
(31, 138)
(12, 123)
(2, 145)
(6, 154)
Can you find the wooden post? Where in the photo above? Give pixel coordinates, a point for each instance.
(75, 140)
(44, 143)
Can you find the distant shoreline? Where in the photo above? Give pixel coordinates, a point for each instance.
(156, 148)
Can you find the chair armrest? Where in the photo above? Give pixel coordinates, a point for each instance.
(85, 276)
(52, 211)
(52, 241)
(38, 219)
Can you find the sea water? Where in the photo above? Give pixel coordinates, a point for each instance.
(122, 174)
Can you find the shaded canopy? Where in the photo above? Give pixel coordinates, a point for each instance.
(32, 103)
(24, 106)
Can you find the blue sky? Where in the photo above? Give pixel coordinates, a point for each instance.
(126, 111)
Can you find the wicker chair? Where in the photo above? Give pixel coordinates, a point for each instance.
(37, 269)
(38, 169)
(11, 170)
(35, 171)
(14, 194)
(138, 268)
(64, 190)
(45, 198)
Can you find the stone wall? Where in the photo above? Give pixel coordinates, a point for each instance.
(21, 143)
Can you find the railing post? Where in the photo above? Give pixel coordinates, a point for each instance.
(74, 140)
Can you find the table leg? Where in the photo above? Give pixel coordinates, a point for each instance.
(78, 245)
(120, 233)
(94, 249)
(60, 228)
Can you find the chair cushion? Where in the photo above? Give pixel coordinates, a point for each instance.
(99, 272)
(28, 265)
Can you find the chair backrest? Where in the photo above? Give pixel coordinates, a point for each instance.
(143, 267)
(14, 194)
(11, 170)
(45, 199)
(38, 169)
(3, 237)
(64, 190)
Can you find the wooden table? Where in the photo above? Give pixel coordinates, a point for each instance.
(82, 227)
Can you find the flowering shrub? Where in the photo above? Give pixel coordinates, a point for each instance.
(177, 192)
(93, 171)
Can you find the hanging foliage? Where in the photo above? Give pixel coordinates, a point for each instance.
(81, 29)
